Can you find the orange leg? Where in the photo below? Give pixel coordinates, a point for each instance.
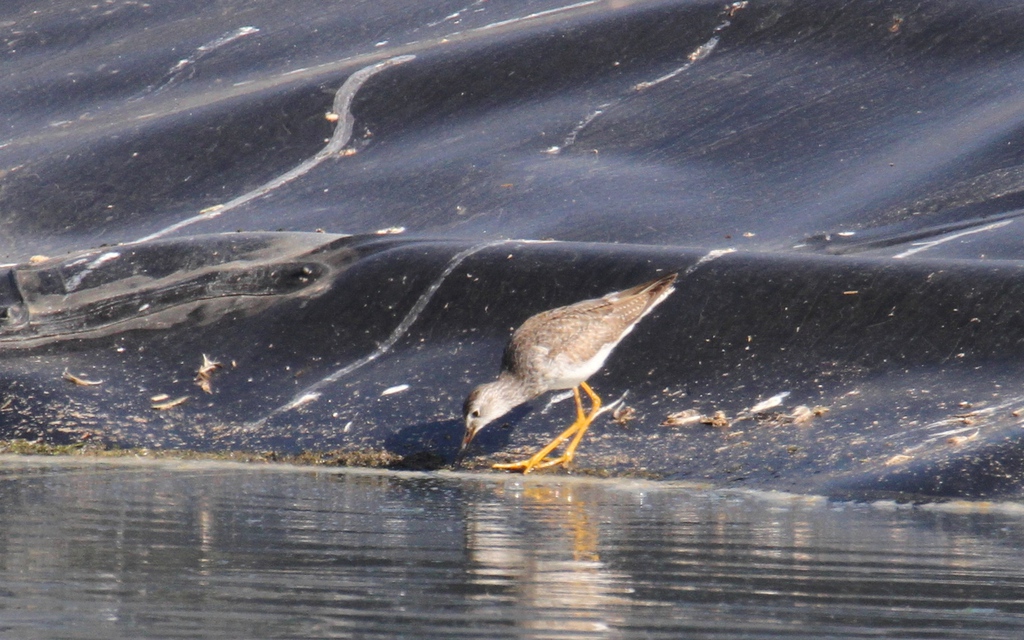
(575, 431)
(595, 406)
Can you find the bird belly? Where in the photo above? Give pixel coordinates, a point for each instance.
(566, 372)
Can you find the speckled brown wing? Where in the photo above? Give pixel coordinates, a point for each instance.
(576, 333)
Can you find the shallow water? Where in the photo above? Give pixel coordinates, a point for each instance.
(170, 549)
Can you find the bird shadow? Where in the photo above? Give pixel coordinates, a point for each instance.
(428, 446)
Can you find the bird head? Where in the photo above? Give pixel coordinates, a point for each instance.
(485, 404)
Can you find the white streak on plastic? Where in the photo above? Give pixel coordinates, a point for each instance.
(918, 247)
(396, 334)
(342, 133)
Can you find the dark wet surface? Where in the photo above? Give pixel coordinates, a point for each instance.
(144, 549)
(351, 205)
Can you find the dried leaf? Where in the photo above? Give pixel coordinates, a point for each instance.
(82, 382)
(164, 406)
(681, 418)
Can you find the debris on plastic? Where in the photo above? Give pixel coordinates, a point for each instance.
(770, 403)
(82, 382)
(899, 458)
(682, 418)
(957, 440)
(718, 420)
(204, 375)
(170, 404)
(623, 414)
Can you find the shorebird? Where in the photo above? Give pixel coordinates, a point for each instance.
(560, 349)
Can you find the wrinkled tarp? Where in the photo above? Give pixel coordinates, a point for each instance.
(349, 206)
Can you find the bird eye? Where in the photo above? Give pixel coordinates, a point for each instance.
(475, 413)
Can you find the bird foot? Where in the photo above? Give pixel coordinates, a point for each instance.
(526, 466)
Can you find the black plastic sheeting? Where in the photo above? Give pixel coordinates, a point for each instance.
(350, 205)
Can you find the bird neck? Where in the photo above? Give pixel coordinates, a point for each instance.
(513, 388)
